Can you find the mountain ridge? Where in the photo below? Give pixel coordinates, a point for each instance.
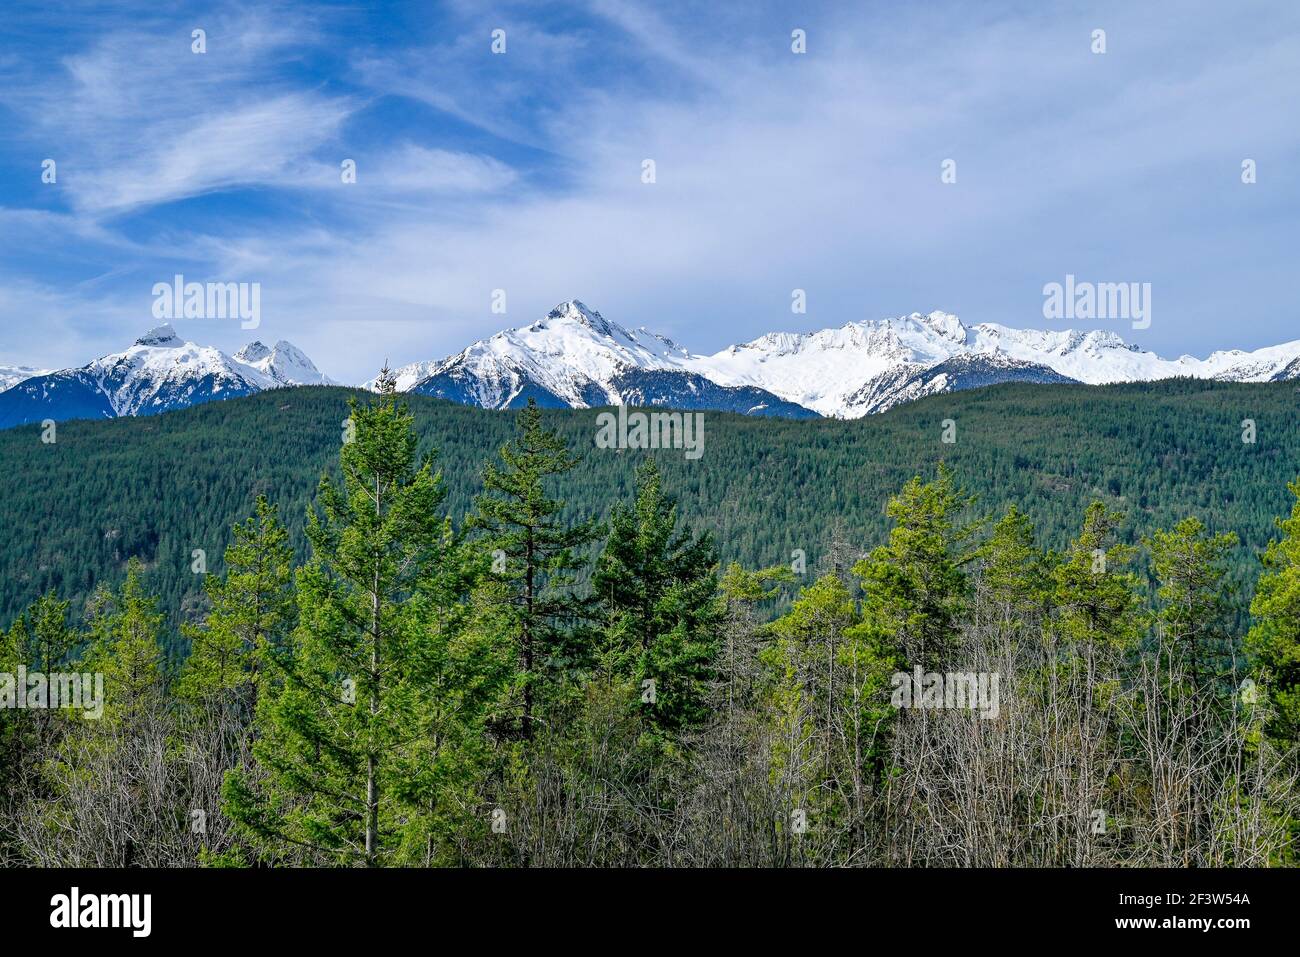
(157, 373)
(577, 358)
(574, 357)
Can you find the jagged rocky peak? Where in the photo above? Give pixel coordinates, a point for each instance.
(574, 310)
(162, 336)
(284, 362)
(943, 323)
(255, 351)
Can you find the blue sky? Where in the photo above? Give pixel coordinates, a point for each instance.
(522, 171)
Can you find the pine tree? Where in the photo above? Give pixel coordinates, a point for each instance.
(914, 587)
(41, 637)
(1195, 598)
(41, 640)
(1097, 601)
(251, 616)
(533, 551)
(252, 612)
(830, 676)
(126, 628)
(15, 733)
(110, 793)
(743, 634)
(1273, 643)
(342, 711)
(1015, 572)
(1097, 622)
(657, 589)
(1196, 655)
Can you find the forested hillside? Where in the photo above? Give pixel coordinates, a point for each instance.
(517, 683)
(159, 488)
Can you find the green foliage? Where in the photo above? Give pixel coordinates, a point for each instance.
(913, 586)
(251, 615)
(1274, 641)
(126, 628)
(657, 590)
(380, 687)
(1097, 602)
(360, 717)
(158, 487)
(1016, 572)
(533, 552)
(1195, 601)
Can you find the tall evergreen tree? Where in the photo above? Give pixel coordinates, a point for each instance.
(914, 586)
(126, 628)
(50, 638)
(1195, 601)
(107, 776)
(42, 640)
(533, 551)
(1097, 621)
(343, 710)
(1015, 572)
(657, 588)
(1274, 640)
(1097, 600)
(1196, 655)
(251, 616)
(830, 700)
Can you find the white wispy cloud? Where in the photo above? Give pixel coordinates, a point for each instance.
(139, 118)
(262, 143)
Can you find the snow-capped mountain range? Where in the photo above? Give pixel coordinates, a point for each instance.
(574, 357)
(12, 375)
(159, 372)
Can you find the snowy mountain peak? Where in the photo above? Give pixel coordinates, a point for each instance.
(159, 372)
(574, 357)
(12, 375)
(283, 364)
(255, 351)
(942, 323)
(575, 311)
(164, 337)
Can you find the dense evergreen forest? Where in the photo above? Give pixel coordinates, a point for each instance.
(158, 488)
(404, 663)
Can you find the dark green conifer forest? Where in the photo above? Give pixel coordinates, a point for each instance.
(348, 629)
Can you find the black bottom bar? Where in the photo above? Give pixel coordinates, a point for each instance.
(338, 907)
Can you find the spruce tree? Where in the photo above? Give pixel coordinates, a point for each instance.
(1097, 600)
(829, 701)
(532, 550)
(115, 763)
(914, 587)
(252, 613)
(1096, 624)
(1273, 643)
(1015, 574)
(1195, 602)
(126, 627)
(345, 707)
(657, 589)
